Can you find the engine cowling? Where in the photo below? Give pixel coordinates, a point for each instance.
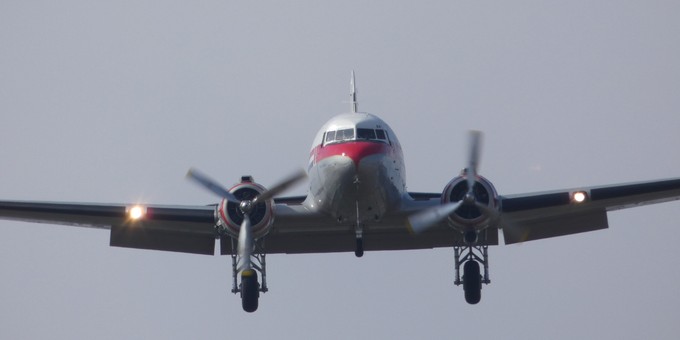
(469, 216)
(231, 217)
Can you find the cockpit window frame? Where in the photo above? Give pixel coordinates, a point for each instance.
(353, 135)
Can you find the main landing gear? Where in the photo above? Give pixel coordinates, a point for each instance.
(249, 288)
(472, 256)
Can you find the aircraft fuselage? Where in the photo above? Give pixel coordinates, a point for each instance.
(356, 169)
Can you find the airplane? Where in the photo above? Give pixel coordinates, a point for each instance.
(357, 201)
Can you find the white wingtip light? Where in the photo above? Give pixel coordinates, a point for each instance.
(136, 212)
(579, 196)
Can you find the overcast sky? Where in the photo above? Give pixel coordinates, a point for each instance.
(113, 102)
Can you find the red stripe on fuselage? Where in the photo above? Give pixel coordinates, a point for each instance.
(354, 150)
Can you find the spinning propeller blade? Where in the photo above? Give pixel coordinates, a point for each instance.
(474, 143)
(427, 218)
(282, 186)
(211, 185)
(245, 243)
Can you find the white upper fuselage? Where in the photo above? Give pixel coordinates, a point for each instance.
(356, 169)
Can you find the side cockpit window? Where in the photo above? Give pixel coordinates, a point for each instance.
(330, 136)
(380, 134)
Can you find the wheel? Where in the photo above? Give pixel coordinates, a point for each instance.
(472, 282)
(250, 290)
(359, 251)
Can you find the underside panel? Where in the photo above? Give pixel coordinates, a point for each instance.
(159, 239)
(345, 241)
(515, 231)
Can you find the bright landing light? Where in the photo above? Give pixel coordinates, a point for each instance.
(579, 196)
(136, 212)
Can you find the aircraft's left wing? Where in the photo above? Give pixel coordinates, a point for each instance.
(188, 229)
(191, 229)
(535, 216)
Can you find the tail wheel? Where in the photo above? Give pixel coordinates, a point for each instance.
(472, 282)
(250, 290)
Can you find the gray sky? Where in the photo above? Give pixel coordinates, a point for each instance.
(114, 101)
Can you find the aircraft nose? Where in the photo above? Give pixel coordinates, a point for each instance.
(360, 150)
(354, 151)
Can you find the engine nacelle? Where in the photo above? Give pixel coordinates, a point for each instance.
(231, 217)
(468, 216)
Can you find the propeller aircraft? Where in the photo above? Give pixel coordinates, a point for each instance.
(357, 201)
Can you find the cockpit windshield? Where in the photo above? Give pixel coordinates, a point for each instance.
(344, 135)
(362, 134)
(366, 134)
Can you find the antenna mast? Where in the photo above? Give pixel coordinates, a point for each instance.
(353, 94)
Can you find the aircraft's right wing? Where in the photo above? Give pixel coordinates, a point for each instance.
(536, 216)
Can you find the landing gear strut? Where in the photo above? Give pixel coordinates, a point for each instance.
(472, 280)
(249, 288)
(359, 231)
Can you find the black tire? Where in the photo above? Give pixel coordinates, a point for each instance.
(359, 251)
(250, 290)
(472, 282)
